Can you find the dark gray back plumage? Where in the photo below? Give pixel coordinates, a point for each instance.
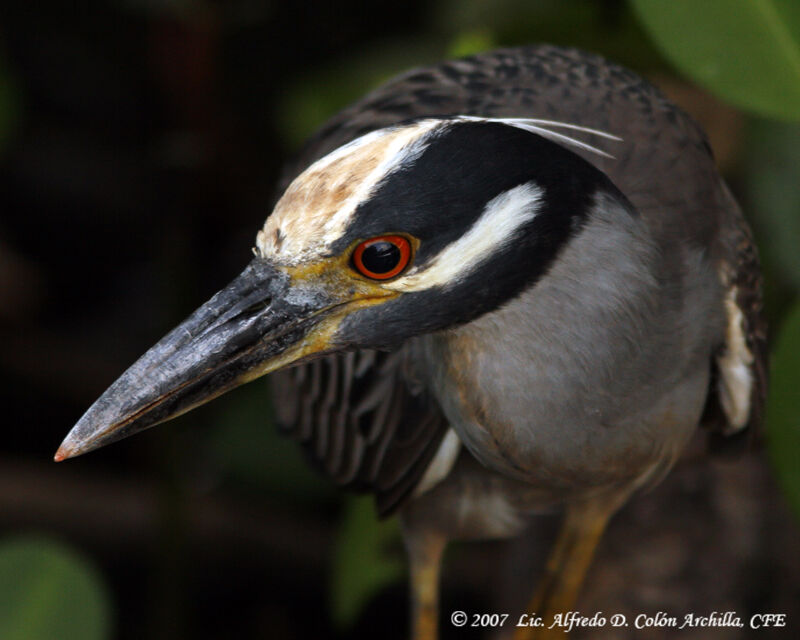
(389, 426)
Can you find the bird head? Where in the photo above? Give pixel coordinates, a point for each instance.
(407, 230)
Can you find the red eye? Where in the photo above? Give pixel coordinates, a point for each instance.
(383, 257)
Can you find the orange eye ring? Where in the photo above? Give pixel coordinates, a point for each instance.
(382, 257)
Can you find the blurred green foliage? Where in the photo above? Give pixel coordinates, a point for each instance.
(605, 27)
(48, 591)
(773, 160)
(470, 42)
(245, 443)
(331, 86)
(745, 51)
(784, 400)
(368, 557)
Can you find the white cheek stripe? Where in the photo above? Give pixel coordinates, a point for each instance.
(499, 222)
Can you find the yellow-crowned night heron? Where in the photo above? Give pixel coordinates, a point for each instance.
(510, 281)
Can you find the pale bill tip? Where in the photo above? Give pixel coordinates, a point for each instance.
(67, 450)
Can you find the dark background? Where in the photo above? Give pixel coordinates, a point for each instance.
(139, 145)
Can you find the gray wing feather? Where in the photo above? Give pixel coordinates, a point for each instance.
(360, 422)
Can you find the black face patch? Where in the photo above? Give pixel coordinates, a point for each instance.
(440, 195)
(438, 198)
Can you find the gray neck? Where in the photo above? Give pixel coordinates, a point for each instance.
(593, 346)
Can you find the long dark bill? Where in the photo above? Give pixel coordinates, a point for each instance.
(254, 325)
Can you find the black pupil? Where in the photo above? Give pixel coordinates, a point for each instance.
(380, 257)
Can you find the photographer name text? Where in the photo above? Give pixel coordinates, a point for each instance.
(571, 620)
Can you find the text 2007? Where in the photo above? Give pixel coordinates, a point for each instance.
(488, 620)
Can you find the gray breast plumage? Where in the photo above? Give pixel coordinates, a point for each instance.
(595, 396)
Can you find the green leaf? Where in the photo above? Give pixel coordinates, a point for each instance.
(745, 51)
(783, 409)
(47, 591)
(366, 559)
(772, 157)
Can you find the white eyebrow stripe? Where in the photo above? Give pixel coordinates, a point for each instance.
(498, 224)
(307, 230)
(404, 149)
(345, 149)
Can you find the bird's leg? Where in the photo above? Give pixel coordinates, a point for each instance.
(583, 526)
(425, 550)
